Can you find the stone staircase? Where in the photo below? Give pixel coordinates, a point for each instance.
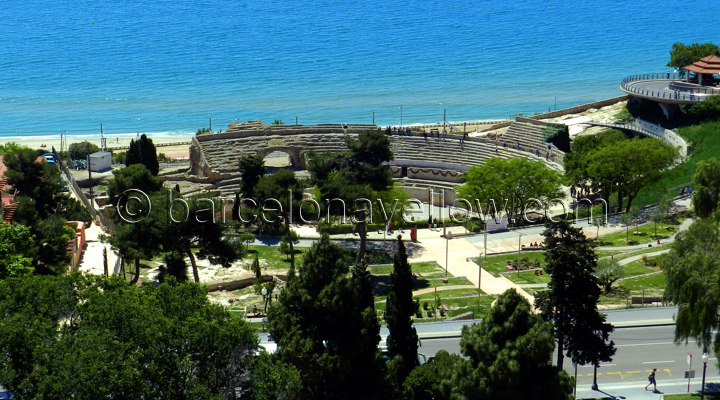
(527, 134)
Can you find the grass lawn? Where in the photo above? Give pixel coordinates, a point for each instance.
(275, 259)
(458, 301)
(643, 234)
(431, 274)
(705, 144)
(496, 264)
(690, 396)
(653, 284)
(623, 254)
(523, 277)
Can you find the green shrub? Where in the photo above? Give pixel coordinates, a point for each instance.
(624, 115)
(80, 151)
(558, 135)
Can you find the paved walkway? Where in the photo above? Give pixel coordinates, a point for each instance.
(442, 288)
(92, 258)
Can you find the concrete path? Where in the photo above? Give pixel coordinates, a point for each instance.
(92, 258)
(442, 288)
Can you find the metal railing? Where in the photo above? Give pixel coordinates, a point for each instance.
(692, 95)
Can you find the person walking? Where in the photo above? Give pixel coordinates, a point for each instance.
(652, 381)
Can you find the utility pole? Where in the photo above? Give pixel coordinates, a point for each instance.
(210, 118)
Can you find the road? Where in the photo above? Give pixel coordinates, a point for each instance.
(644, 340)
(641, 349)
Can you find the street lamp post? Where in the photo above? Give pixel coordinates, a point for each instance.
(265, 296)
(702, 388)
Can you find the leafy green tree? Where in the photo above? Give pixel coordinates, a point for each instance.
(246, 238)
(508, 356)
(632, 164)
(608, 274)
(134, 177)
(356, 173)
(572, 297)
(80, 151)
(402, 341)
(284, 191)
(36, 179)
(708, 109)
(325, 325)
(515, 180)
(14, 241)
(598, 221)
(706, 187)
(627, 220)
(175, 266)
(681, 55)
(426, 381)
(285, 242)
(89, 337)
(273, 380)
(143, 152)
(577, 161)
(691, 268)
(71, 209)
(252, 168)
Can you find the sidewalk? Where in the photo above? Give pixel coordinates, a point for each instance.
(636, 390)
(92, 258)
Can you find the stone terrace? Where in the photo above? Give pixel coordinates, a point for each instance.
(528, 133)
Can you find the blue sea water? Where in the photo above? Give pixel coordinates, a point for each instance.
(163, 66)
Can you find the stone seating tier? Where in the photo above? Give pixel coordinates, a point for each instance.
(222, 155)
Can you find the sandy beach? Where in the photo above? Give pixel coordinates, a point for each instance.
(171, 146)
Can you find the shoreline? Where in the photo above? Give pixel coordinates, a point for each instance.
(176, 145)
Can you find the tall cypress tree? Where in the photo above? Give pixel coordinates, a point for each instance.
(143, 152)
(148, 155)
(403, 340)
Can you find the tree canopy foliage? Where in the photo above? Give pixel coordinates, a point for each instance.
(514, 180)
(326, 326)
(682, 55)
(572, 296)
(142, 151)
(15, 240)
(80, 151)
(692, 266)
(89, 337)
(508, 356)
(402, 342)
(356, 173)
(252, 168)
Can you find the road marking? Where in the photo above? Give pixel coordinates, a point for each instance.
(649, 344)
(622, 377)
(657, 362)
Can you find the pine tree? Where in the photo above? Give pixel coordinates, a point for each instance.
(572, 297)
(508, 356)
(403, 340)
(325, 326)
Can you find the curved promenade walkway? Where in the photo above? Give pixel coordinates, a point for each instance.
(649, 129)
(657, 87)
